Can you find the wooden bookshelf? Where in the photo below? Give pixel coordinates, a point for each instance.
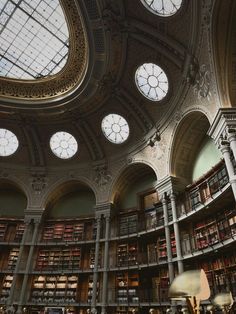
(161, 248)
(5, 288)
(128, 224)
(20, 228)
(3, 230)
(63, 232)
(58, 258)
(92, 257)
(12, 258)
(90, 289)
(54, 289)
(154, 217)
(11, 230)
(160, 286)
(127, 285)
(127, 254)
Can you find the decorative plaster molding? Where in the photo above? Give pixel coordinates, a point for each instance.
(201, 85)
(38, 182)
(102, 176)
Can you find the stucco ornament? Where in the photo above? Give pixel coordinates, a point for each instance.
(38, 182)
(201, 85)
(102, 176)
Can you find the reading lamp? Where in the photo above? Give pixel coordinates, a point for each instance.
(224, 301)
(192, 286)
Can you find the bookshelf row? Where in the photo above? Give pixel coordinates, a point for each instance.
(11, 231)
(208, 232)
(73, 289)
(203, 190)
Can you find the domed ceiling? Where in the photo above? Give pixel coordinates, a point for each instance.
(116, 80)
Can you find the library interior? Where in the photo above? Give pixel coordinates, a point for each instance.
(117, 155)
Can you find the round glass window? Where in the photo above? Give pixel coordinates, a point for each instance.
(115, 128)
(162, 7)
(63, 145)
(8, 142)
(152, 81)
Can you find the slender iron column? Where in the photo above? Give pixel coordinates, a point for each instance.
(19, 259)
(168, 240)
(105, 266)
(176, 232)
(95, 269)
(28, 268)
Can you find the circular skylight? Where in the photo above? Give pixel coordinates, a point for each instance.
(152, 81)
(115, 128)
(8, 142)
(162, 7)
(63, 145)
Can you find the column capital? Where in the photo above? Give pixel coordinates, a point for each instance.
(225, 118)
(231, 134)
(104, 209)
(170, 185)
(223, 145)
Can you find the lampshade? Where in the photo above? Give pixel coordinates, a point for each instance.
(223, 299)
(192, 283)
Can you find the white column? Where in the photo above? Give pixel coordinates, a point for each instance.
(95, 269)
(232, 141)
(176, 232)
(168, 239)
(105, 266)
(225, 149)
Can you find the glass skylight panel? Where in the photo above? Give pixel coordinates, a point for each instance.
(34, 38)
(152, 81)
(115, 128)
(8, 143)
(63, 145)
(162, 7)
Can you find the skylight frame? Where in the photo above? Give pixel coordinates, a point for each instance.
(25, 61)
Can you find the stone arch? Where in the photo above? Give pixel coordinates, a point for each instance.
(224, 50)
(187, 138)
(15, 197)
(63, 187)
(128, 175)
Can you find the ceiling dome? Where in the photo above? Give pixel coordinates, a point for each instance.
(126, 74)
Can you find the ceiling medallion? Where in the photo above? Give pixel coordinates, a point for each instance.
(68, 78)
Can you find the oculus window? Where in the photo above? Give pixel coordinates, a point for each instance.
(63, 145)
(8, 143)
(152, 81)
(162, 7)
(34, 38)
(115, 128)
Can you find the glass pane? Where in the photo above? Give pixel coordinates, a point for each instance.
(34, 38)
